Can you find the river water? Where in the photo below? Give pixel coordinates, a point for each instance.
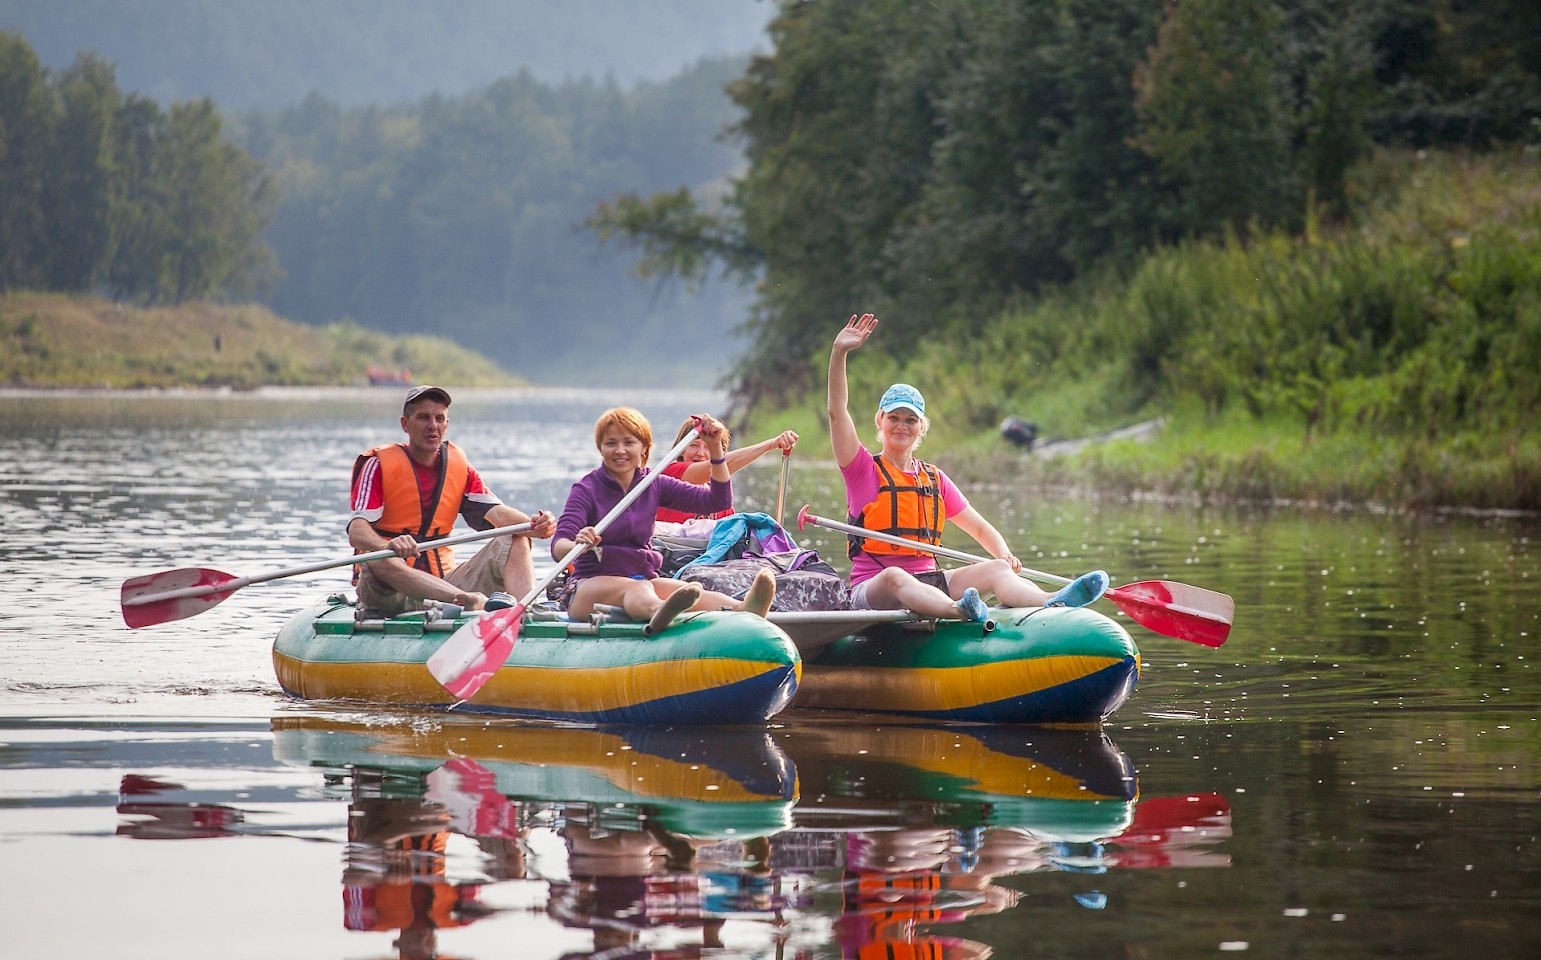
(1353, 774)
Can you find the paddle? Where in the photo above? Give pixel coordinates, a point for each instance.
(179, 594)
(476, 651)
(781, 488)
(1171, 609)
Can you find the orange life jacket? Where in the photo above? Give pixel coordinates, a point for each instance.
(404, 500)
(398, 906)
(902, 508)
(924, 949)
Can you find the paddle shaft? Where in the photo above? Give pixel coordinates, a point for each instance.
(781, 488)
(230, 586)
(918, 545)
(631, 495)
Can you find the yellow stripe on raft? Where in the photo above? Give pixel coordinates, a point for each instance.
(604, 755)
(565, 690)
(948, 688)
(957, 754)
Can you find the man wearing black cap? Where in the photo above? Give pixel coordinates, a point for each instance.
(404, 493)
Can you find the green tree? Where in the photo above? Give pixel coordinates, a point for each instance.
(217, 199)
(838, 128)
(1214, 114)
(1338, 98)
(1464, 72)
(79, 190)
(28, 115)
(136, 216)
(463, 214)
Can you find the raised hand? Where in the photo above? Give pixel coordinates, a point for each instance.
(855, 332)
(708, 426)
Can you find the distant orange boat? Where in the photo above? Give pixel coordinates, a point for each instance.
(381, 377)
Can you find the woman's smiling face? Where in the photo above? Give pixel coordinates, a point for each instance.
(621, 450)
(900, 427)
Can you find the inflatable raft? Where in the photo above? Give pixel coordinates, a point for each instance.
(719, 668)
(1013, 800)
(719, 784)
(1060, 783)
(1032, 665)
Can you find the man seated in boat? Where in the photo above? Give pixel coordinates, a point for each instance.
(894, 492)
(404, 493)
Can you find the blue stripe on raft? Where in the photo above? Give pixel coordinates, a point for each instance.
(1087, 699)
(746, 755)
(740, 702)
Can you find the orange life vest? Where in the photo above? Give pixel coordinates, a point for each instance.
(398, 906)
(902, 508)
(925, 949)
(404, 500)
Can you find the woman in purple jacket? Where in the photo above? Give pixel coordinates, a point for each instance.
(622, 568)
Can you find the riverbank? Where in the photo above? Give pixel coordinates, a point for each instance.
(1193, 458)
(1243, 460)
(57, 341)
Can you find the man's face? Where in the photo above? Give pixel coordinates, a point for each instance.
(425, 423)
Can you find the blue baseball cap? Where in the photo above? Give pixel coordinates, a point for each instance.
(902, 395)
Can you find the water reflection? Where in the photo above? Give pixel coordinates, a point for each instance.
(924, 823)
(395, 874)
(628, 830)
(873, 839)
(154, 809)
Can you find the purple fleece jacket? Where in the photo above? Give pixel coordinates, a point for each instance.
(625, 546)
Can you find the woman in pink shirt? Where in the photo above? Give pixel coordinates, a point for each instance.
(894, 492)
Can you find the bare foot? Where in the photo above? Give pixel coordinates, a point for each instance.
(761, 593)
(674, 604)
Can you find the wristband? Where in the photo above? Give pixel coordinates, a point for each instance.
(718, 460)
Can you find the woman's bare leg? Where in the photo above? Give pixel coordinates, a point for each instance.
(995, 577)
(895, 589)
(636, 597)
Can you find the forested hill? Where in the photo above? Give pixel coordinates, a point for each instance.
(271, 53)
(463, 217)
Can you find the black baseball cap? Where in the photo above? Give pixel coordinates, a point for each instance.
(419, 392)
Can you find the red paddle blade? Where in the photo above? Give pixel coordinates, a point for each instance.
(476, 651)
(142, 609)
(1175, 832)
(1177, 610)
